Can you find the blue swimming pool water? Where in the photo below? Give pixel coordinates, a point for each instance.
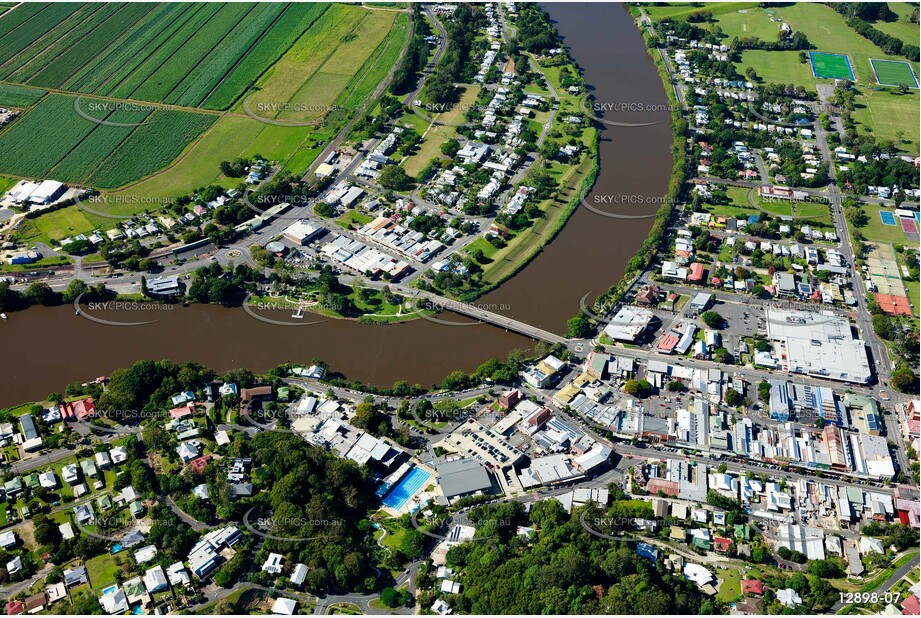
(116, 548)
(402, 491)
(106, 591)
(887, 217)
(137, 610)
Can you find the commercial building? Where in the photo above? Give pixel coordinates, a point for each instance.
(462, 477)
(303, 232)
(629, 324)
(819, 344)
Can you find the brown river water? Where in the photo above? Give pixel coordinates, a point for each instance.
(47, 348)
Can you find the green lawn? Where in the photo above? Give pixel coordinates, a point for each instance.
(827, 30)
(56, 225)
(875, 230)
(748, 22)
(902, 28)
(817, 211)
(885, 112)
(436, 135)
(913, 289)
(783, 209)
(101, 570)
(731, 588)
(6, 183)
(483, 245)
(782, 67)
(353, 218)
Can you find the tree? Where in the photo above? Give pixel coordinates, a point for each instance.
(41, 294)
(73, 291)
(904, 380)
(395, 178)
(637, 388)
(324, 210)
(676, 386)
(450, 147)
(712, 319)
(882, 326)
(722, 355)
(733, 397)
(826, 569)
(578, 327)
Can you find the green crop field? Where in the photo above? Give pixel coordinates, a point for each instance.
(36, 142)
(378, 45)
(53, 139)
(189, 54)
(276, 40)
(19, 96)
(36, 25)
(151, 146)
(894, 73)
(194, 58)
(98, 145)
(107, 30)
(307, 80)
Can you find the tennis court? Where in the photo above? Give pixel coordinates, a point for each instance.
(894, 73)
(883, 271)
(887, 217)
(910, 227)
(831, 66)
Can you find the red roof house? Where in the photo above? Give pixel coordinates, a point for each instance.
(14, 607)
(187, 410)
(911, 606)
(721, 544)
(198, 464)
(79, 410)
(752, 586)
(697, 273)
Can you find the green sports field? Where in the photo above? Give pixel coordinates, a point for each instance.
(680, 10)
(831, 66)
(894, 73)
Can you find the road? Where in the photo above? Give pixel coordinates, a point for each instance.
(647, 23)
(39, 461)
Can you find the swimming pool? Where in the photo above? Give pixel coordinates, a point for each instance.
(110, 589)
(408, 485)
